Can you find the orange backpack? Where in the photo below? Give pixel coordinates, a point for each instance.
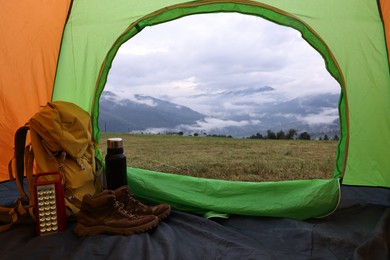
(61, 140)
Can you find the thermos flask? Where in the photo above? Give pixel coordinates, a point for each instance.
(116, 168)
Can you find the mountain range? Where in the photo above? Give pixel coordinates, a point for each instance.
(314, 114)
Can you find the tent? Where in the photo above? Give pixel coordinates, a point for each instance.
(63, 50)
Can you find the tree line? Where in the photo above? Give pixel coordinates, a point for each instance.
(291, 134)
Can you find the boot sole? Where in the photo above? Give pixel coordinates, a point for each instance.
(164, 214)
(82, 230)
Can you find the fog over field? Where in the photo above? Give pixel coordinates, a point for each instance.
(239, 73)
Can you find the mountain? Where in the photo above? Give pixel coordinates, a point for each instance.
(314, 114)
(125, 115)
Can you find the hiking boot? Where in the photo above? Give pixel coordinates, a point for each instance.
(103, 214)
(135, 207)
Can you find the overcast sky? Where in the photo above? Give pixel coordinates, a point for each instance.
(203, 55)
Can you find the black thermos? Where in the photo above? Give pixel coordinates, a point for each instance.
(116, 169)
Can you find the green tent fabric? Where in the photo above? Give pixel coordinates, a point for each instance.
(208, 197)
(349, 35)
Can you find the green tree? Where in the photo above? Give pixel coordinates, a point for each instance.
(304, 136)
(291, 134)
(280, 135)
(271, 134)
(257, 136)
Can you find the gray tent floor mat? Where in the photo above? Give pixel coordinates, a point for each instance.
(355, 230)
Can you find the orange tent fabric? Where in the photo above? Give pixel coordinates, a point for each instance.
(31, 36)
(385, 9)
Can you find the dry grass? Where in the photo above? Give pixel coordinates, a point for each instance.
(229, 159)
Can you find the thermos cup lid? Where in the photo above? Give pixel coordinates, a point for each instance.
(114, 143)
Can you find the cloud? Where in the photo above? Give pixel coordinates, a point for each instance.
(208, 124)
(326, 116)
(204, 55)
(123, 99)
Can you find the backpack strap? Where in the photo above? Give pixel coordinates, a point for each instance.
(10, 216)
(17, 164)
(7, 216)
(21, 163)
(24, 159)
(29, 166)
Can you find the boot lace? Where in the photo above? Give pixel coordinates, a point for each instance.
(120, 208)
(135, 204)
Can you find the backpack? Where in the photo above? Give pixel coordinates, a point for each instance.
(61, 140)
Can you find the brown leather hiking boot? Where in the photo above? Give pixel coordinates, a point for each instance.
(135, 207)
(103, 214)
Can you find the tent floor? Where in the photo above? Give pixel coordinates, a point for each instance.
(356, 230)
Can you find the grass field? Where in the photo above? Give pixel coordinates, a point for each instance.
(229, 158)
